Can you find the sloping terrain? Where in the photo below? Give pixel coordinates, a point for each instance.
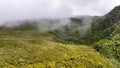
(110, 47)
(25, 47)
(102, 27)
(104, 36)
(30, 49)
(107, 34)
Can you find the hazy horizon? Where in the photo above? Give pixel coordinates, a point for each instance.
(12, 10)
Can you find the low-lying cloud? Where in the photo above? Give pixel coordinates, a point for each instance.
(11, 10)
(46, 25)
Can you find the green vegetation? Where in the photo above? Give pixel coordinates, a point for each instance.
(103, 27)
(104, 36)
(110, 47)
(99, 47)
(38, 51)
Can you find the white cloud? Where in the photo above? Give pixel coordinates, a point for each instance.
(27, 9)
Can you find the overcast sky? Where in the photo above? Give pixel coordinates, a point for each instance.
(11, 10)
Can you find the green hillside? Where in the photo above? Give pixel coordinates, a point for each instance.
(104, 36)
(107, 34)
(110, 47)
(30, 49)
(25, 46)
(102, 28)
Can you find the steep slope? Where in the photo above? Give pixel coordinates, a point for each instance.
(102, 27)
(106, 31)
(110, 47)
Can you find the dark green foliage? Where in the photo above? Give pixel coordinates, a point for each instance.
(103, 27)
(110, 47)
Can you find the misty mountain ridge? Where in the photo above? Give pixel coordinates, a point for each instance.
(75, 42)
(49, 23)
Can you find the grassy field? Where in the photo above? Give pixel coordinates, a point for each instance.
(30, 49)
